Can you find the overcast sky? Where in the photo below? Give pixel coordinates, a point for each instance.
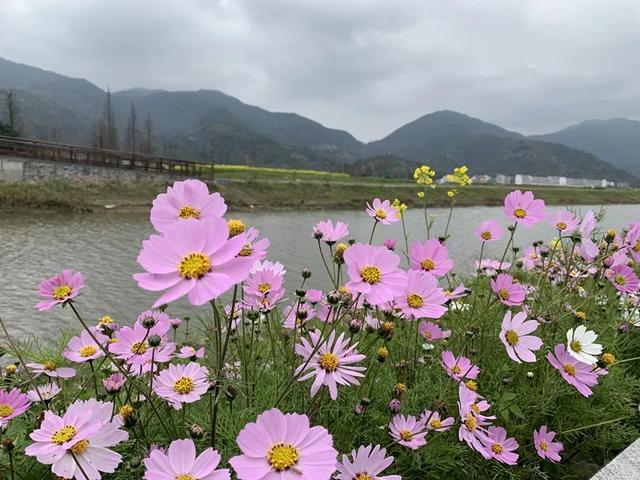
(366, 66)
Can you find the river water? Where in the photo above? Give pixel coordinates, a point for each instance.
(104, 247)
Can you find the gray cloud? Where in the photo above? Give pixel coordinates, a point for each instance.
(366, 66)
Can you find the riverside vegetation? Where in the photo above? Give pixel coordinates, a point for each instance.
(525, 370)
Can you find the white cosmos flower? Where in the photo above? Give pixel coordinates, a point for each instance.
(581, 346)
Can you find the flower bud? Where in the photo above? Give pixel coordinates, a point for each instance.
(230, 392)
(300, 292)
(317, 234)
(306, 273)
(359, 410)
(610, 236)
(394, 406)
(511, 228)
(365, 402)
(382, 354)
(7, 445)
(155, 340)
(333, 297)
(351, 241)
(252, 315)
(148, 322)
(196, 432)
(390, 244)
(354, 326)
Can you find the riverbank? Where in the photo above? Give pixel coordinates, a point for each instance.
(245, 194)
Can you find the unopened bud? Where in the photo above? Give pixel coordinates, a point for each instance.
(196, 432)
(155, 340)
(306, 273)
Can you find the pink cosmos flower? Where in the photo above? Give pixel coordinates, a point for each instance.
(390, 244)
(330, 233)
(632, 241)
(489, 231)
(623, 279)
(531, 259)
(188, 352)
(545, 446)
(432, 332)
(50, 369)
(490, 267)
(114, 383)
(85, 431)
(331, 364)
(161, 322)
(313, 296)
(473, 422)
(430, 256)
(82, 349)
(514, 334)
(297, 315)
(255, 249)
(12, 404)
(575, 373)
(510, 292)
(564, 221)
(266, 279)
(180, 462)
(187, 199)
(367, 464)
(499, 447)
(523, 208)
(460, 367)
(433, 421)
(588, 248)
(46, 391)
(422, 297)
(179, 384)
(284, 447)
(383, 211)
(458, 292)
(195, 258)
(59, 289)
(408, 431)
(373, 272)
(132, 345)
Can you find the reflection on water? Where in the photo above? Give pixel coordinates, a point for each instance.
(104, 247)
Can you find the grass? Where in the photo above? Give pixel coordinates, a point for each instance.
(270, 190)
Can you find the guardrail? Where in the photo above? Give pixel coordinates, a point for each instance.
(58, 152)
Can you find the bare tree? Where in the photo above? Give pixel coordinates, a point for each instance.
(147, 136)
(108, 135)
(13, 111)
(132, 133)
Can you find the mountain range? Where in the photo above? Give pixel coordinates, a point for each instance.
(209, 125)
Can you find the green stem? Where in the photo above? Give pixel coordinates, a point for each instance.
(597, 424)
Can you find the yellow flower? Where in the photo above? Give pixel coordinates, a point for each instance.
(420, 194)
(424, 175)
(399, 206)
(451, 193)
(460, 176)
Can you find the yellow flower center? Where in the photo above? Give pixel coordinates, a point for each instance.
(236, 227)
(329, 362)
(607, 358)
(371, 275)
(414, 300)
(543, 446)
(570, 369)
(475, 407)
(49, 365)
(80, 447)
(561, 225)
(63, 435)
(5, 410)
(246, 251)
(125, 411)
(195, 265)
(470, 422)
(11, 369)
(189, 212)
(61, 292)
(519, 213)
(264, 287)
(576, 346)
(581, 315)
(471, 385)
(497, 448)
(435, 423)
(106, 320)
(456, 369)
(620, 280)
(183, 385)
(504, 294)
(363, 476)
(406, 435)
(512, 337)
(282, 456)
(486, 235)
(427, 334)
(636, 247)
(427, 265)
(87, 351)
(185, 476)
(341, 248)
(139, 348)
(381, 214)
